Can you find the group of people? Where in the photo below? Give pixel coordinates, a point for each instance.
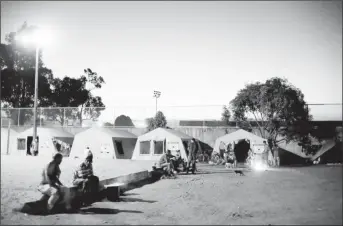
(83, 179)
(172, 165)
(269, 156)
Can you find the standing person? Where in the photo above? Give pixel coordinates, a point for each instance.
(276, 155)
(265, 152)
(222, 148)
(231, 160)
(193, 149)
(34, 147)
(50, 184)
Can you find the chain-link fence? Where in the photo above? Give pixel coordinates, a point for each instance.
(185, 116)
(109, 116)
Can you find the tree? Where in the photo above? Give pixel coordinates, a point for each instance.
(226, 115)
(17, 64)
(278, 109)
(159, 121)
(76, 94)
(124, 121)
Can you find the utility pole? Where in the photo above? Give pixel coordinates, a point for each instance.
(157, 94)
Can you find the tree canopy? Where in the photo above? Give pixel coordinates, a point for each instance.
(159, 121)
(277, 107)
(124, 121)
(17, 85)
(17, 63)
(76, 94)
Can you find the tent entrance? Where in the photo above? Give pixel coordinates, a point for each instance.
(28, 145)
(241, 150)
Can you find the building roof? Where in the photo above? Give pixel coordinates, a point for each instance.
(241, 134)
(162, 133)
(117, 133)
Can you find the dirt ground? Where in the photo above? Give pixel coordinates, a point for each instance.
(304, 195)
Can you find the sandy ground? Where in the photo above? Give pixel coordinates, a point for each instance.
(307, 195)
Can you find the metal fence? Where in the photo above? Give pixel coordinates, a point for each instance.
(175, 115)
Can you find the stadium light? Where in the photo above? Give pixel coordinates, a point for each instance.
(157, 94)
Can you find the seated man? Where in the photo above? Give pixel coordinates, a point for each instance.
(50, 184)
(166, 164)
(177, 161)
(84, 178)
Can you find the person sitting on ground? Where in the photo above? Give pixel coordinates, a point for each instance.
(84, 178)
(177, 161)
(166, 164)
(50, 184)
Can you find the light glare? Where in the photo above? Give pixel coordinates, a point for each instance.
(39, 38)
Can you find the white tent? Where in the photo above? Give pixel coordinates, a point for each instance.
(152, 145)
(256, 142)
(292, 147)
(104, 143)
(327, 145)
(46, 136)
(12, 140)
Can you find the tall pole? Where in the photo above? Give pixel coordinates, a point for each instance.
(36, 97)
(156, 106)
(157, 94)
(8, 137)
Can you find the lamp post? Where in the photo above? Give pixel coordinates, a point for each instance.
(37, 38)
(36, 96)
(157, 94)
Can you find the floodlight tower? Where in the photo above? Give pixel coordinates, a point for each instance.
(157, 94)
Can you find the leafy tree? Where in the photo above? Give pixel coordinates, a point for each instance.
(159, 121)
(124, 121)
(226, 115)
(76, 94)
(17, 64)
(278, 109)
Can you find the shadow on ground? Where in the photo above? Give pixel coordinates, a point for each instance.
(135, 200)
(94, 210)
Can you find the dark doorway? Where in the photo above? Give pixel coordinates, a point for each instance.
(28, 144)
(185, 145)
(241, 150)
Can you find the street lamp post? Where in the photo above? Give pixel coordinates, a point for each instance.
(157, 94)
(38, 38)
(36, 96)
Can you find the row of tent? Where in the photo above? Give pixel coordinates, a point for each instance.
(104, 142)
(121, 144)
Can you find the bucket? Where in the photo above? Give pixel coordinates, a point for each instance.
(113, 192)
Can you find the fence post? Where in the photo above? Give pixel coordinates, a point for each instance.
(114, 117)
(64, 117)
(8, 137)
(40, 118)
(19, 117)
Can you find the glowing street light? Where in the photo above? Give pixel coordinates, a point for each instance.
(157, 94)
(37, 38)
